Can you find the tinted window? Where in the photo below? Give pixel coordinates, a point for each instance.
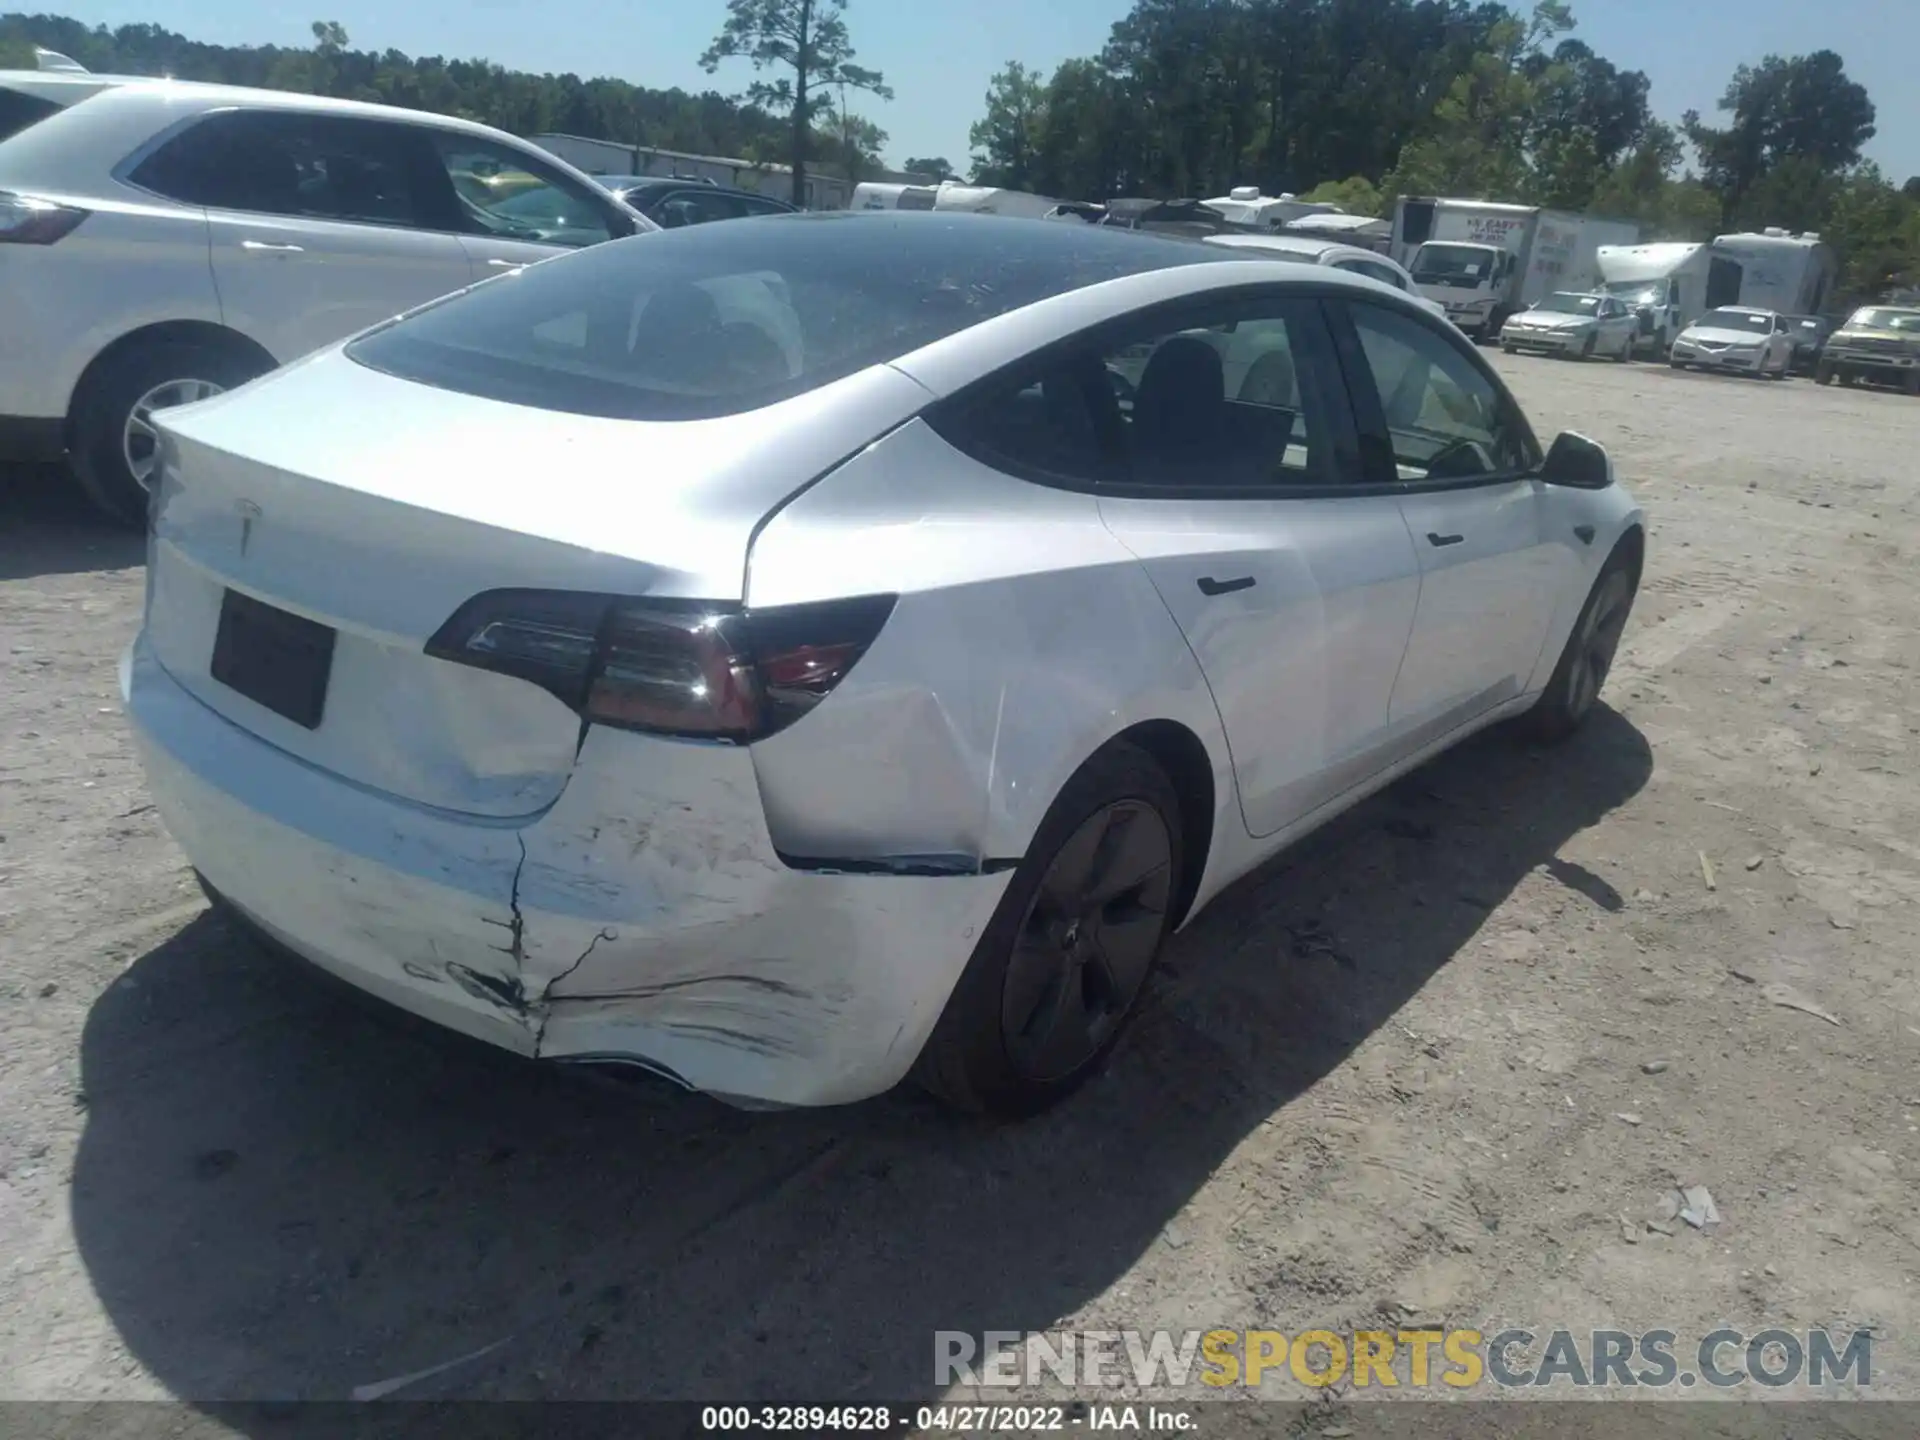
(18, 111)
(1444, 418)
(697, 207)
(761, 205)
(1237, 403)
(1373, 270)
(283, 164)
(504, 193)
(714, 320)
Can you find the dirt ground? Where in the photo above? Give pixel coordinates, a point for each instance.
(1442, 1062)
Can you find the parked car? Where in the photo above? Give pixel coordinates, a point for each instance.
(1351, 258)
(1809, 335)
(1192, 218)
(1574, 324)
(792, 654)
(671, 203)
(162, 241)
(1736, 337)
(1879, 343)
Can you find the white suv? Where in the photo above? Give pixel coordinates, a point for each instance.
(161, 241)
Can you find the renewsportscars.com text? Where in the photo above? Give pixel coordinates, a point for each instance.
(1458, 1359)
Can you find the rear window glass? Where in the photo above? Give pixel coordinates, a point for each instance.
(719, 319)
(19, 110)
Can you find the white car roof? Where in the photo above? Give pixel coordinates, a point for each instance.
(79, 151)
(182, 97)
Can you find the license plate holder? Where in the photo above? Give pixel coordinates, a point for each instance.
(276, 659)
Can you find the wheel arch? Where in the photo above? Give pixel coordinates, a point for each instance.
(179, 332)
(1632, 548)
(1182, 754)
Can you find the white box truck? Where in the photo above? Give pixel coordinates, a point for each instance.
(1484, 261)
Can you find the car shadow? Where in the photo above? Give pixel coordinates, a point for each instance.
(282, 1194)
(48, 528)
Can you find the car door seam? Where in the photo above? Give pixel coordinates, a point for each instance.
(1226, 737)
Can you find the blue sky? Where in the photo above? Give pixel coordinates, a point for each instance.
(938, 56)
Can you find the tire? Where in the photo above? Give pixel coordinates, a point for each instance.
(1586, 350)
(1042, 951)
(1511, 350)
(104, 412)
(1823, 375)
(1912, 386)
(1676, 364)
(1582, 672)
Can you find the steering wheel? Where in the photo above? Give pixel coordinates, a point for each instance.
(1444, 464)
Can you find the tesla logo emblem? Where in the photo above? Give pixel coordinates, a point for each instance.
(249, 512)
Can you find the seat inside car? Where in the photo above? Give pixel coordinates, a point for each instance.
(1180, 407)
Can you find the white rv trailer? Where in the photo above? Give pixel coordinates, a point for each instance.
(872, 195)
(951, 195)
(1781, 271)
(1669, 286)
(1245, 205)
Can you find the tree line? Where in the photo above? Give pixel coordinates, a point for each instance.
(1353, 101)
(708, 123)
(1358, 101)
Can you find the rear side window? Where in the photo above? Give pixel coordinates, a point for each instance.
(1231, 402)
(19, 110)
(319, 166)
(718, 319)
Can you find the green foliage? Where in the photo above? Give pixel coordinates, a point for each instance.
(527, 104)
(1007, 140)
(935, 167)
(805, 44)
(1804, 110)
(1360, 101)
(1356, 195)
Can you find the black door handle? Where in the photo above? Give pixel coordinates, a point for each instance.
(1211, 586)
(1435, 538)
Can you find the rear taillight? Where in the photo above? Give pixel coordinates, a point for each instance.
(25, 220)
(669, 667)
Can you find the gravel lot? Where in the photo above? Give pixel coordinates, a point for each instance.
(1390, 1076)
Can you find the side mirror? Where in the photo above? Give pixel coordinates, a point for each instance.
(1575, 460)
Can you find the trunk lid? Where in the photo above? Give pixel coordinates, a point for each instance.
(373, 508)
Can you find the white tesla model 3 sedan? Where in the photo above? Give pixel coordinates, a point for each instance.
(795, 655)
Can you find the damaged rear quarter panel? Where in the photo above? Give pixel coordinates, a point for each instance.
(1025, 637)
(660, 923)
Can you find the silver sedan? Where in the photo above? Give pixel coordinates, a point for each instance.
(798, 655)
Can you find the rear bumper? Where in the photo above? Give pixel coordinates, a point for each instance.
(642, 918)
(31, 439)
